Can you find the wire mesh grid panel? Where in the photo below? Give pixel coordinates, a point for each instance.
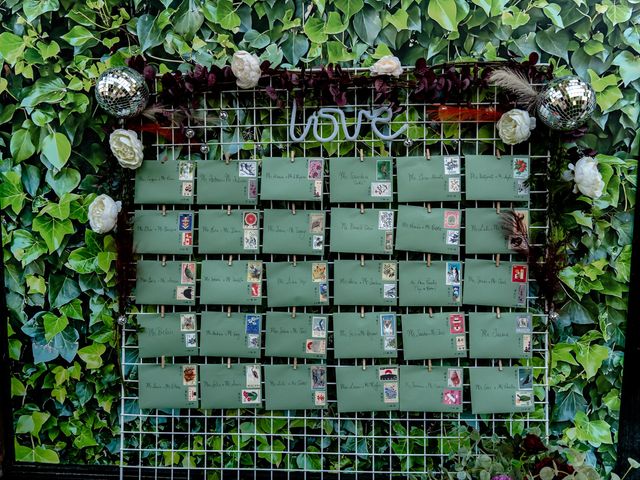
(256, 443)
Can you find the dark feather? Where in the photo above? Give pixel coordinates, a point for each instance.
(516, 231)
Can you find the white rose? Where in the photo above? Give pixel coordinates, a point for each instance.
(246, 67)
(387, 65)
(103, 213)
(126, 147)
(587, 177)
(515, 126)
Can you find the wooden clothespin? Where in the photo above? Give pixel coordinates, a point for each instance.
(430, 312)
(429, 366)
(228, 209)
(361, 208)
(295, 363)
(498, 208)
(428, 154)
(295, 260)
(362, 260)
(497, 260)
(428, 208)
(164, 210)
(161, 311)
(164, 260)
(293, 208)
(293, 156)
(228, 362)
(230, 261)
(361, 155)
(228, 311)
(498, 154)
(362, 311)
(293, 312)
(428, 260)
(227, 158)
(497, 312)
(364, 364)
(500, 365)
(162, 361)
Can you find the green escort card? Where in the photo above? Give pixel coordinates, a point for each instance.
(302, 336)
(230, 386)
(430, 389)
(485, 231)
(235, 283)
(174, 335)
(169, 182)
(230, 334)
(435, 231)
(171, 386)
(503, 285)
(170, 233)
(356, 179)
(372, 282)
(439, 335)
(299, 233)
(233, 183)
(229, 231)
(506, 336)
(506, 390)
(373, 335)
(374, 389)
(490, 177)
(291, 179)
(301, 387)
(434, 180)
(356, 231)
(171, 283)
(436, 285)
(297, 284)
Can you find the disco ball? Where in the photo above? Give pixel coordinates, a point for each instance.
(566, 103)
(122, 92)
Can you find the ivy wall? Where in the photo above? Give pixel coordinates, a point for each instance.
(59, 276)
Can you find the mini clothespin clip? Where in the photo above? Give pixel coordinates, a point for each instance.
(362, 260)
(293, 312)
(164, 210)
(227, 158)
(500, 365)
(228, 311)
(498, 154)
(162, 361)
(364, 364)
(164, 260)
(230, 260)
(361, 155)
(228, 209)
(428, 154)
(428, 207)
(362, 208)
(295, 260)
(498, 208)
(161, 311)
(362, 311)
(428, 259)
(497, 312)
(293, 156)
(429, 366)
(497, 259)
(430, 312)
(293, 208)
(295, 363)
(228, 362)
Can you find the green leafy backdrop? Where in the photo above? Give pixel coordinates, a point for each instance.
(59, 276)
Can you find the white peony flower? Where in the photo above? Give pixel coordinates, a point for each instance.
(246, 67)
(587, 177)
(387, 65)
(515, 126)
(127, 148)
(103, 213)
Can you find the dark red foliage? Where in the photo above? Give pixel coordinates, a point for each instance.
(564, 469)
(532, 444)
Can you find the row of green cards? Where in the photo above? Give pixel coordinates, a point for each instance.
(351, 179)
(355, 335)
(302, 232)
(370, 282)
(358, 389)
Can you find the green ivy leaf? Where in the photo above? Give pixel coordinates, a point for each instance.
(591, 357)
(554, 42)
(399, 19)
(25, 247)
(595, 432)
(11, 47)
(349, 7)
(618, 12)
(53, 325)
(47, 90)
(85, 439)
(34, 8)
(314, 28)
(21, 145)
(367, 24)
(149, 34)
(226, 16)
(82, 260)
(629, 66)
(11, 192)
(56, 149)
(568, 404)
(294, 47)
(91, 354)
(53, 230)
(62, 289)
(444, 12)
(189, 19)
(334, 24)
(78, 36)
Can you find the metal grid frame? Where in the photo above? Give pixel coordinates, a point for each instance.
(149, 437)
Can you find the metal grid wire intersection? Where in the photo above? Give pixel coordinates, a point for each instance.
(248, 443)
